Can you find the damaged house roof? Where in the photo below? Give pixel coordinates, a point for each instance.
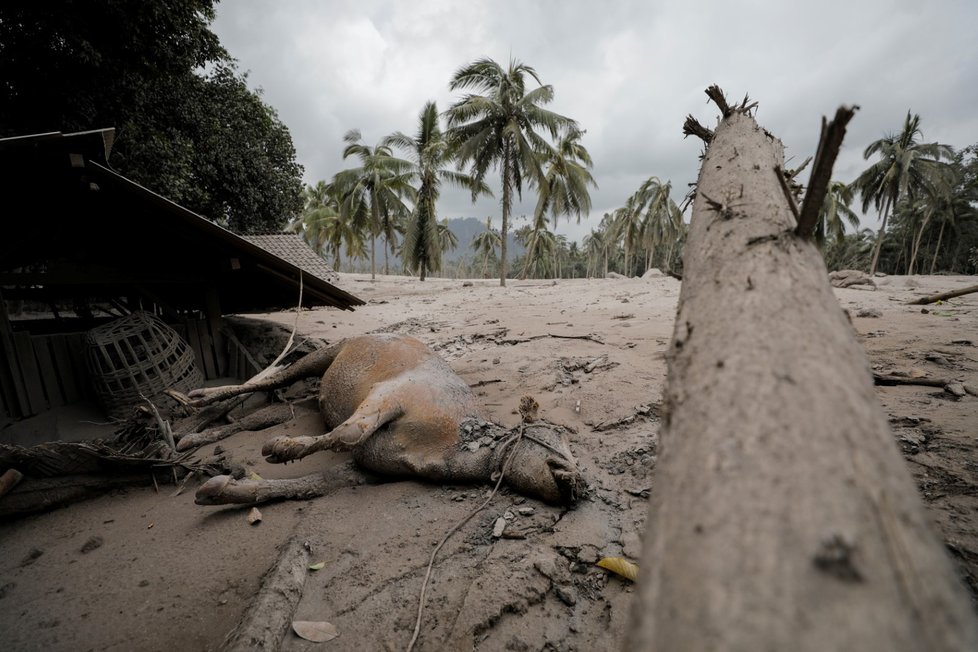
(73, 228)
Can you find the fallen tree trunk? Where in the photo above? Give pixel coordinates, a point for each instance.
(884, 379)
(783, 516)
(266, 622)
(944, 296)
(41, 494)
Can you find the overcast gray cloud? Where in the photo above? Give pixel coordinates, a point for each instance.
(627, 71)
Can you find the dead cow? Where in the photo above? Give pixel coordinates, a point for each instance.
(402, 412)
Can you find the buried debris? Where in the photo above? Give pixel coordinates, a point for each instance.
(58, 473)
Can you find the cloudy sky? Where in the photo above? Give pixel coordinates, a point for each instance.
(627, 71)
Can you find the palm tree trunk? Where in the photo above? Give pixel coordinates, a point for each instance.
(887, 205)
(375, 216)
(937, 251)
(784, 516)
(916, 245)
(528, 257)
(507, 200)
(373, 257)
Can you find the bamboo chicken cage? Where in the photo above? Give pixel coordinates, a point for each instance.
(138, 356)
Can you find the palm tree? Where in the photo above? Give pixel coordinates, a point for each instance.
(372, 195)
(496, 130)
(485, 243)
(951, 202)
(431, 154)
(905, 166)
(565, 186)
(834, 214)
(662, 219)
(564, 190)
(596, 250)
(447, 240)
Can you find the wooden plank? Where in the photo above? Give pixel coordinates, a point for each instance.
(65, 368)
(30, 372)
(77, 351)
(212, 302)
(49, 373)
(233, 356)
(10, 376)
(8, 393)
(201, 347)
(207, 348)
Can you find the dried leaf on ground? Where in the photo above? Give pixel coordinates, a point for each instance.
(620, 566)
(254, 516)
(316, 567)
(315, 631)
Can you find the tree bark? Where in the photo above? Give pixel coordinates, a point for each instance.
(507, 204)
(783, 516)
(267, 621)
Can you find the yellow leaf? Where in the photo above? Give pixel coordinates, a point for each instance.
(317, 632)
(319, 566)
(253, 476)
(620, 566)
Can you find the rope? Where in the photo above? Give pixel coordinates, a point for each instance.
(514, 440)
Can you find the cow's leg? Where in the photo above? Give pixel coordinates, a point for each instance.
(224, 490)
(266, 417)
(377, 410)
(312, 365)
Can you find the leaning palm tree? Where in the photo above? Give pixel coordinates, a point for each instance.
(565, 185)
(447, 240)
(485, 243)
(497, 129)
(372, 194)
(947, 204)
(835, 213)
(430, 152)
(661, 221)
(564, 190)
(905, 167)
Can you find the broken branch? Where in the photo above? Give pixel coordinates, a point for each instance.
(715, 94)
(818, 184)
(692, 127)
(943, 296)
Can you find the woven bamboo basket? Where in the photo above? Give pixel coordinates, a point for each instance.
(138, 356)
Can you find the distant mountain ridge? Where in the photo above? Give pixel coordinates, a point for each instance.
(466, 229)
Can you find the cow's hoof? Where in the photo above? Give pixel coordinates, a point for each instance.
(212, 491)
(284, 449)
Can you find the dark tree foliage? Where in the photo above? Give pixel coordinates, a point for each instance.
(187, 126)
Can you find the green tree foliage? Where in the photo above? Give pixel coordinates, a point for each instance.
(905, 167)
(835, 214)
(187, 126)
(323, 227)
(496, 128)
(372, 194)
(564, 190)
(431, 154)
(485, 243)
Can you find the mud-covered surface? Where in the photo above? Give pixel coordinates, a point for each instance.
(140, 570)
